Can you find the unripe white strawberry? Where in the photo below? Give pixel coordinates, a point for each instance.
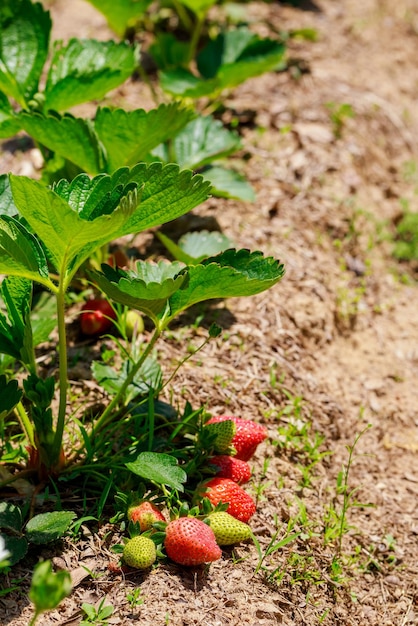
(139, 552)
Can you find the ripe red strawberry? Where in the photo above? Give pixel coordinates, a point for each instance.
(247, 436)
(139, 552)
(145, 514)
(240, 504)
(189, 541)
(231, 467)
(96, 317)
(227, 529)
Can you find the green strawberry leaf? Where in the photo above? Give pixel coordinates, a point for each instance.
(129, 136)
(10, 396)
(16, 293)
(123, 14)
(236, 55)
(193, 247)
(69, 238)
(225, 62)
(47, 527)
(159, 468)
(48, 588)
(86, 69)
(146, 289)
(20, 252)
(166, 193)
(24, 40)
(201, 141)
(181, 82)
(230, 274)
(168, 52)
(9, 124)
(10, 514)
(227, 183)
(17, 548)
(7, 206)
(68, 136)
(199, 7)
(148, 377)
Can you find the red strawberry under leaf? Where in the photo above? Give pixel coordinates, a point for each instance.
(230, 467)
(96, 317)
(189, 541)
(240, 504)
(248, 435)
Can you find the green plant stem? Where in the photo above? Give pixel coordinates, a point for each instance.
(194, 41)
(128, 380)
(25, 423)
(34, 619)
(146, 79)
(183, 15)
(63, 374)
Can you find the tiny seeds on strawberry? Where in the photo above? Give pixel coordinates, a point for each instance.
(139, 552)
(227, 529)
(145, 514)
(247, 437)
(230, 467)
(189, 541)
(240, 504)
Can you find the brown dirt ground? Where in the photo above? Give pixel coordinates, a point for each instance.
(340, 332)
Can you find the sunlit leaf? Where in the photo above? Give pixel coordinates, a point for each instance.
(86, 69)
(146, 289)
(123, 14)
(129, 136)
(68, 136)
(47, 527)
(228, 183)
(20, 253)
(24, 40)
(230, 274)
(159, 468)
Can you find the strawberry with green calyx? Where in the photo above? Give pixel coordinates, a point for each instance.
(139, 552)
(145, 514)
(227, 529)
(218, 436)
(248, 434)
(217, 490)
(230, 467)
(189, 541)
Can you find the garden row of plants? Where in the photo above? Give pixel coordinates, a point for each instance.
(116, 175)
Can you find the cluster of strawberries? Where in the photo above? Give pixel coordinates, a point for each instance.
(191, 540)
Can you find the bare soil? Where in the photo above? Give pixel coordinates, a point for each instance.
(339, 333)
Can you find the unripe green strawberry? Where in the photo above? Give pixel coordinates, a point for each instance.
(139, 552)
(189, 541)
(145, 514)
(223, 433)
(227, 529)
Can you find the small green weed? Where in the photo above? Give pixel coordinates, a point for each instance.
(339, 114)
(97, 615)
(336, 524)
(134, 597)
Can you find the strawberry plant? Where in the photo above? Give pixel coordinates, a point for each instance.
(47, 234)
